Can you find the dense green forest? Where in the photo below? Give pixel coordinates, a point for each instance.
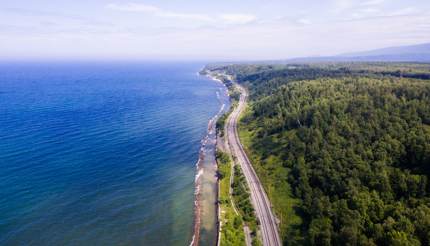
(343, 150)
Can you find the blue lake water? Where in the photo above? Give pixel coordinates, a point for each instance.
(101, 153)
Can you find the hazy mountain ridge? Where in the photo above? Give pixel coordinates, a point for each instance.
(411, 53)
(397, 50)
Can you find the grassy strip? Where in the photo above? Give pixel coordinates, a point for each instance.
(242, 199)
(274, 180)
(231, 223)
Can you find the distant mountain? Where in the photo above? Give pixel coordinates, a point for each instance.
(420, 49)
(412, 53)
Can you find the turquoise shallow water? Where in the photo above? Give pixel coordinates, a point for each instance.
(101, 153)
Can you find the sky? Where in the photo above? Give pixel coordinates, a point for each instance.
(206, 30)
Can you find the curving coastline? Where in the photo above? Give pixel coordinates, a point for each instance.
(206, 180)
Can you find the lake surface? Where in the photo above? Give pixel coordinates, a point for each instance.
(101, 153)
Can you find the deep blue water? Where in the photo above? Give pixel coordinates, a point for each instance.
(100, 153)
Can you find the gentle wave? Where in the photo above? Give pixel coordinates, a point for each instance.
(106, 160)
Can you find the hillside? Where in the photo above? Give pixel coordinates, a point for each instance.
(343, 150)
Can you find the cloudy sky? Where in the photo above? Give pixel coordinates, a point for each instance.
(208, 30)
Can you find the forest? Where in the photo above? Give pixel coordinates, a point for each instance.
(343, 150)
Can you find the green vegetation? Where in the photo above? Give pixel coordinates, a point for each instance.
(231, 223)
(234, 97)
(343, 150)
(242, 198)
(220, 124)
(275, 180)
(236, 208)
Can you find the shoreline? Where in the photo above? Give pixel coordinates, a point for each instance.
(203, 179)
(228, 232)
(222, 145)
(218, 210)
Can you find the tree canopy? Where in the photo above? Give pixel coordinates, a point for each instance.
(354, 140)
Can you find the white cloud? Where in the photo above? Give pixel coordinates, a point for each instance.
(342, 5)
(133, 7)
(372, 2)
(159, 12)
(372, 13)
(369, 10)
(238, 18)
(304, 21)
(192, 33)
(156, 11)
(405, 11)
(198, 17)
